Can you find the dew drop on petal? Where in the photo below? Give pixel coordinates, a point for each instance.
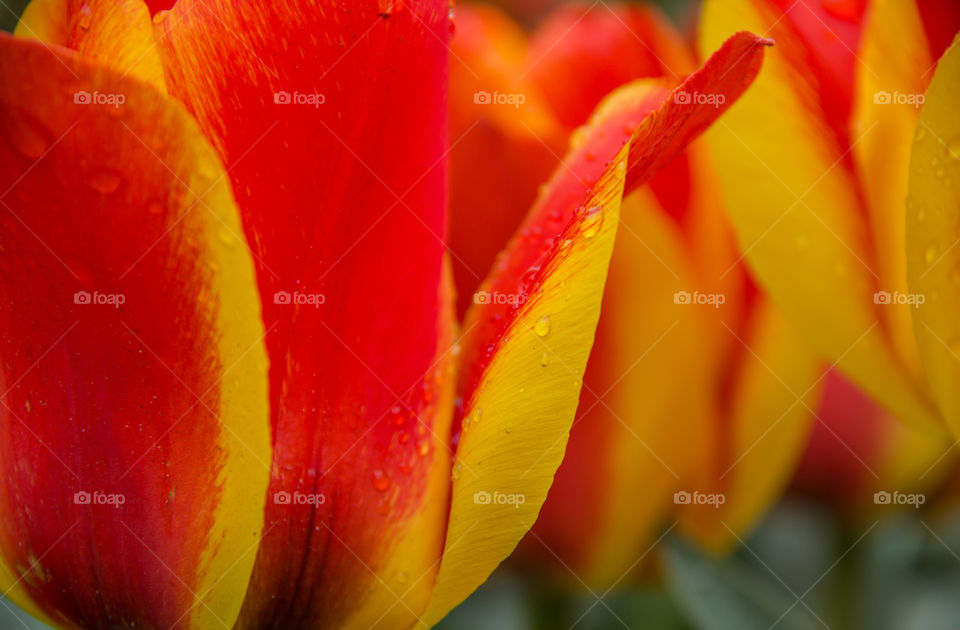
(592, 221)
(542, 327)
(105, 181)
(380, 480)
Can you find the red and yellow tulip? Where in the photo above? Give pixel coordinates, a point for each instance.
(696, 386)
(819, 160)
(235, 391)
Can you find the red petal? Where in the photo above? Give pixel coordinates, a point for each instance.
(134, 418)
(332, 122)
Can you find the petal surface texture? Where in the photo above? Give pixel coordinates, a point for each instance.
(134, 416)
(525, 347)
(332, 122)
(933, 218)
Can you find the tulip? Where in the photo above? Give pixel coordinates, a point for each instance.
(696, 387)
(234, 389)
(821, 156)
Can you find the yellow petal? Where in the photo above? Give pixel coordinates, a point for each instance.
(797, 216)
(933, 223)
(891, 80)
(117, 33)
(774, 388)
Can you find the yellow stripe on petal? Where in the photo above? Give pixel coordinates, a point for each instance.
(516, 426)
(244, 412)
(117, 33)
(889, 92)
(933, 223)
(798, 216)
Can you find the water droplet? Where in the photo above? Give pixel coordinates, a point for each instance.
(84, 17)
(402, 577)
(592, 221)
(380, 480)
(105, 181)
(457, 472)
(423, 448)
(226, 237)
(542, 327)
(545, 360)
(930, 253)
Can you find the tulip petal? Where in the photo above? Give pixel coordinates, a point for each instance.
(135, 414)
(644, 339)
(894, 60)
(523, 363)
(795, 206)
(933, 221)
(117, 33)
(774, 386)
(583, 52)
(332, 121)
(500, 152)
